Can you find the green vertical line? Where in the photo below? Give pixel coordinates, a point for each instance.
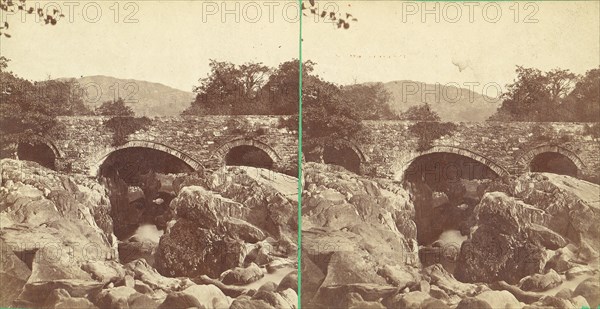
(300, 158)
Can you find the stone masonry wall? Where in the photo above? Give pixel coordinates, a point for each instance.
(391, 146)
(200, 138)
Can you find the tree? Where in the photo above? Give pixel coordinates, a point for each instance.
(421, 112)
(327, 119)
(536, 96)
(123, 126)
(115, 108)
(65, 97)
(370, 101)
(3, 63)
(328, 13)
(50, 16)
(584, 100)
(230, 89)
(248, 89)
(281, 90)
(28, 111)
(23, 116)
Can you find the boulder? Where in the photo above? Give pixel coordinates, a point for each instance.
(570, 204)
(242, 275)
(580, 270)
(335, 296)
(206, 208)
(268, 286)
(208, 296)
(500, 299)
(13, 275)
(190, 251)
(267, 300)
(410, 300)
(60, 299)
(541, 282)
(34, 294)
(438, 276)
(473, 303)
(500, 249)
(149, 277)
(216, 217)
(432, 303)
(290, 281)
(279, 263)
(265, 200)
(557, 303)
(118, 297)
(590, 290)
(104, 271)
(351, 237)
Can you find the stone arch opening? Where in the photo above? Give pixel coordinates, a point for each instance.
(136, 178)
(247, 152)
(552, 159)
(131, 163)
(553, 162)
(344, 156)
(246, 155)
(41, 153)
(445, 188)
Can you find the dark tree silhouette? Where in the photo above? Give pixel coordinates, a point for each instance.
(12, 7)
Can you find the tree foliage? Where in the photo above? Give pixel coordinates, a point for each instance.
(123, 126)
(429, 131)
(556, 95)
(370, 101)
(328, 12)
(327, 119)
(247, 89)
(584, 101)
(421, 112)
(29, 110)
(50, 16)
(332, 115)
(115, 108)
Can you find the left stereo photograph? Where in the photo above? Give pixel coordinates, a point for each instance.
(149, 154)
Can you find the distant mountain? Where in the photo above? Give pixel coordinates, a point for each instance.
(145, 98)
(451, 103)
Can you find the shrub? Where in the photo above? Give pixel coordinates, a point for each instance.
(122, 127)
(430, 131)
(238, 125)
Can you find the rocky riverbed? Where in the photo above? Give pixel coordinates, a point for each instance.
(524, 242)
(224, 239)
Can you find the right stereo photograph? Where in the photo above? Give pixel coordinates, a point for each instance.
(450, 154)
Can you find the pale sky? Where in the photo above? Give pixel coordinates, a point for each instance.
(172, 41)
(382, 46)
(169, 44)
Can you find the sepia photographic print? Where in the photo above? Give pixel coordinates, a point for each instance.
(299, 154)
(453, 155)
(150, 154)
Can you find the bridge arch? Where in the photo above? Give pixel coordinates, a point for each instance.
(528, 160)
(99, 160)
(496, 168)
(224, 152)
(42, 151)
(349, 155)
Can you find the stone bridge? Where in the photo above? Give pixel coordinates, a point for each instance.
(199, 141)
(506, 148)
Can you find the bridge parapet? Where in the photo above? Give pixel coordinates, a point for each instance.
(195, 139)
(502, 146)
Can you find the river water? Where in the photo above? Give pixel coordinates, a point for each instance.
(274, 277)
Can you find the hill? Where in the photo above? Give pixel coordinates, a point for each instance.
(450, 102)
(145, 98)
